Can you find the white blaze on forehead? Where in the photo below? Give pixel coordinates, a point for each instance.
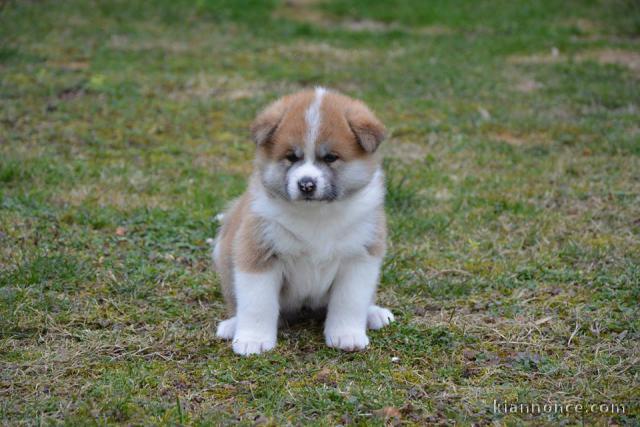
(313, 119)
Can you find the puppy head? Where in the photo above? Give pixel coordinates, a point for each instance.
(316, 145)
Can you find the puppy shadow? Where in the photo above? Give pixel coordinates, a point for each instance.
(302, 318)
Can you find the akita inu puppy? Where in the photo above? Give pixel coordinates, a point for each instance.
(310, 230)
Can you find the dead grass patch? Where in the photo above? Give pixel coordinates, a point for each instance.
(406, 152)
(323, 50)
(528, 85)
(517, 140)
(74, 65)
(120, 42)
(213, 162)
(301, 11)
(228, 88)
(583, 25)
(625, 58)
(103, 196)
(551, 57)
(306, 11)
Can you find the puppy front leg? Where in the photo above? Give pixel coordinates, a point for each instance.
(351, 295)
(257, 310)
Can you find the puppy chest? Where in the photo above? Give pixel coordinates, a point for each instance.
(319, 244)
(307, 281)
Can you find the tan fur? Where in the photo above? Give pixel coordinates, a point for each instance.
(240, 247)
(348, 125)
(285, 121)
(378, 247)
(351, 126)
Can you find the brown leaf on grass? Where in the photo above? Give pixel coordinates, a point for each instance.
(71, 93)
(416, 393)
(324, 375)
(260, 420)
(469, 354)
(508, 138)
(388, 413)
(543, 320)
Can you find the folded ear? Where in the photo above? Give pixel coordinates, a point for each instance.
(369, 131)
(267, 121)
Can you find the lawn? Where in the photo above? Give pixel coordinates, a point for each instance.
(513, 175)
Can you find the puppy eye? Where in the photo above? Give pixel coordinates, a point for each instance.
(330, 158)
(292, 157)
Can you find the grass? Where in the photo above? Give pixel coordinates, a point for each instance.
(514, 205)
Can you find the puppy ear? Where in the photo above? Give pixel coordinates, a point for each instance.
(267, 121)
(369, 131)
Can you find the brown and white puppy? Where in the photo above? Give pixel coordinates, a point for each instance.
(310, 229)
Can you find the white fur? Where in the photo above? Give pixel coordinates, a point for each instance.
(351, 296)
(378, 317)
(257, 311)
(227, 328)
(313, 120)
(307, 169)
(321, 231)
(215, 254)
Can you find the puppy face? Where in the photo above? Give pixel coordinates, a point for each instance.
(316, 145)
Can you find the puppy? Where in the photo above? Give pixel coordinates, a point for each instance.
(310, 230)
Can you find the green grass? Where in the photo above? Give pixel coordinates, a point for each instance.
(514, 207)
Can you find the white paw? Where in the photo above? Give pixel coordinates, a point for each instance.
(349, 341)
(378, 317)
(226, 328)
(246, 345)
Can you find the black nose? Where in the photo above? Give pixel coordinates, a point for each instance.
(307, 185)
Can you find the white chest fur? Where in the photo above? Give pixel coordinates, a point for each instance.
(312, 239)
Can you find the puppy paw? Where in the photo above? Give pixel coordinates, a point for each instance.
(245, 346)
(349, 341)
(378, 317)
(226, 329)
